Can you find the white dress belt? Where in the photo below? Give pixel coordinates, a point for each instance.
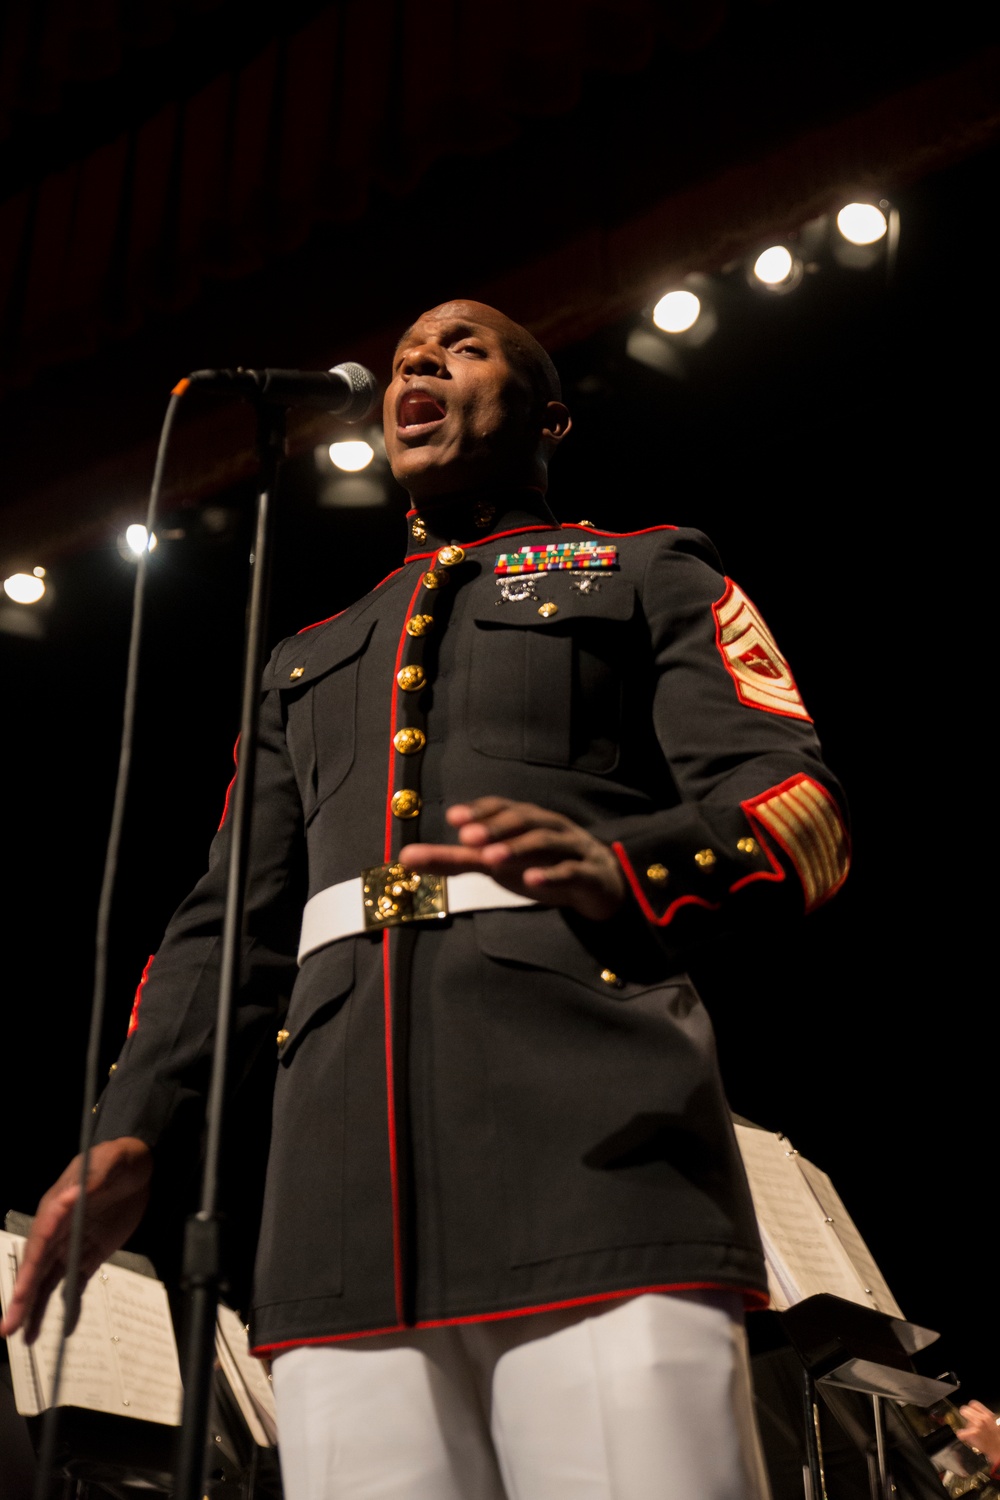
(339, 910)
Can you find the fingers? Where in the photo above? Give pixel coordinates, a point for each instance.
(43, 1262)
(977, 1409)
(488, 819)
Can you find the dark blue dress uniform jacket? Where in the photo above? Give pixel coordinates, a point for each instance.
(507, 1109)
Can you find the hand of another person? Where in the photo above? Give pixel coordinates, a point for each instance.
(117, 1192)
(981, 1431)
(529, 850)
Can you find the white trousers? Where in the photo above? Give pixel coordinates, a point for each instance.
(643, 1399)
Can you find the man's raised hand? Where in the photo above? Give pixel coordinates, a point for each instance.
(529, 850)
(117, 1192)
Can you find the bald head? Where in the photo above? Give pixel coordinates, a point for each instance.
(523, 349)
(473, 404)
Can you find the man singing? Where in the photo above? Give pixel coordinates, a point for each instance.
(507, 1240)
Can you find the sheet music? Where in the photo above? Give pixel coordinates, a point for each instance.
(805, 1255)
(248, 1378)
(849, 1236)
(121, 1358)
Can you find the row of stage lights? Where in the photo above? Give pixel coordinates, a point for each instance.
(861, 228)
(860, 234)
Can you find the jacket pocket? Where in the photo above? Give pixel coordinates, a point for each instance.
(545, 684)
(325, 981)
(319, 688)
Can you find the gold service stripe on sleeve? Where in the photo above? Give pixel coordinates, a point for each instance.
(805, 821)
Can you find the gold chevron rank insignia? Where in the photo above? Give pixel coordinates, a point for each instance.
(751, 656)
(803, 818)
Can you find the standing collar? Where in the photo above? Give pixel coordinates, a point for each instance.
(472, 519)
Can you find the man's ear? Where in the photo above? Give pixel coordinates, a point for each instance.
(556, 423)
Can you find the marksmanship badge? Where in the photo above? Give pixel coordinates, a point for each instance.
(762, 676)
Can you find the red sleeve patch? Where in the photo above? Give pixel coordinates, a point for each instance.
(751, 656)
(133, 1020)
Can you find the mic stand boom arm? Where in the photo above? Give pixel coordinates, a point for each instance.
(202, 1263)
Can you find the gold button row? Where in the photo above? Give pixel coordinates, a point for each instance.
(658, 874)
(407, 803)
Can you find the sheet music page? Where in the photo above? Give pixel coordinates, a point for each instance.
(248, 1378)
(849, 1236)
(805, 1256)
(24, 1376)
(121, 1357)
(142, 1338)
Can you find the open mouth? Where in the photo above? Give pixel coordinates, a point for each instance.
(419, 409)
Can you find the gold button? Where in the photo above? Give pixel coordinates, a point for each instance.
(296, 672)
(405, 804)
(409, 741)
(748, 846)
(113, 1069)
(450, 557)
(548, 610)
(434, 580)
(610, 977)
(419, 624)
(705, 858)
(658, 874)
(585, 523)
(282, 1037)
(411, 679)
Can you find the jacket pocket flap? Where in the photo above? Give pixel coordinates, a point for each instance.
(325, 980)
(607, 598)
(301, 660)
(538, 938)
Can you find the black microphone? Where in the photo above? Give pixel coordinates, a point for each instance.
(347, 391)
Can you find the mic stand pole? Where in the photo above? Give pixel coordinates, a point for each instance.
(202, 1264)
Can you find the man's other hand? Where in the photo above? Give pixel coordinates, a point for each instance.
(117, 1193)
(529, 850)
(981, 1431)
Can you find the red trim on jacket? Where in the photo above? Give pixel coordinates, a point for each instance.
(753, 1301)
(774, 873)
(133, 1020)
(641, 897)
(390, 1086)
(390, 1096)
(596, 530)
(396, 690)
(483, 540)
(229, 788)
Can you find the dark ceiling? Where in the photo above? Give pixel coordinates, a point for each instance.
(192, 184)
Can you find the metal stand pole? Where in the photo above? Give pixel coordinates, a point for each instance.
(814, 1447)
(202, 1247)
(884, 1491)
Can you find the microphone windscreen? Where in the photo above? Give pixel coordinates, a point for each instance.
(363, 389)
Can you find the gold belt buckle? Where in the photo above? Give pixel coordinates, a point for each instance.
(394, 895)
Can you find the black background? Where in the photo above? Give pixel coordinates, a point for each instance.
(836, 444)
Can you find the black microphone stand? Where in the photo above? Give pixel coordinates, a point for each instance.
(202, 1263)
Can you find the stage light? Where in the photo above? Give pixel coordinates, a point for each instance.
(862, 223)
(24, 588)
(351, 455)
(774, 266)
(135, 539)
(38, 572)
(677, 311)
